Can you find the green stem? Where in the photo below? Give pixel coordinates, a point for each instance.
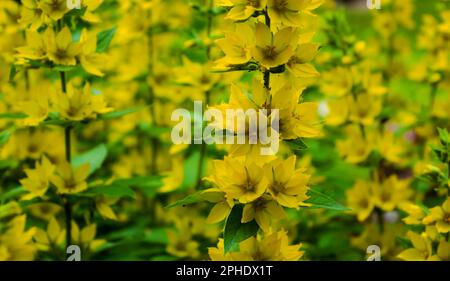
(207, 95)
(434, 88)
(67, 142)
(151, 95)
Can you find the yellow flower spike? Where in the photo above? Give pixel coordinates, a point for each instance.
(273, 50)
(70, 180)
(60, 49)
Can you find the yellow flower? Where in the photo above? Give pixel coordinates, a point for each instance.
(337, 82)
(44, 210)
(31, 14)
(86, 237)
(181, 243)
(297, 120)
(89, 59)
(36, 48)
(243, 181)
(243, 9)
(290, 12)
(359, 200)
(103, 206)
(70, 180)
(54, 235)
(271, 247)
(440, 216)
(15, 243)
(60, 49)
(237, 45)
(443, 250)
(287, 185)
(364, 109)
(37, 107)
(355, 148)
(422, 250)
(391, 193)
(391, 148)
(78, 105)
(55, 9)
(37, 180)
(273, 50)
(91, 6)
(415, 213)
(298, 63)
(264, 211)
(222, 207)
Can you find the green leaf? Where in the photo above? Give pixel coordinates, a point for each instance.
(188, 200)
(13, 193)
(444, 136)
(114, 190)
(235, 231)
(119, 113)
(13, 115)
(297, 145)
(104, 38)
(8, 164)
(156, 235)
(321, 200)
(12, 72)
(5, 136)
(147, 184)
(64, 68)
(94, 157)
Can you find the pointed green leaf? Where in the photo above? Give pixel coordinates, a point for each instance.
(235, 231)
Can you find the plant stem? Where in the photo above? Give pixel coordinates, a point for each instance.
(207, 94)
(267, 71)
(434, 88)
(67, 142)
(151, 93)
